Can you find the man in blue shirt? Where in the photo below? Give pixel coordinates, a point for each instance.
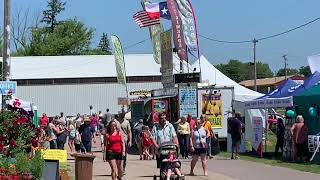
(87, 134)
(162, 133)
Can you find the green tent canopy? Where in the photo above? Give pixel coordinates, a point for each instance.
(305, 100)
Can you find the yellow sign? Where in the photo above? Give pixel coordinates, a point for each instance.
(212, 108)
(55, 154)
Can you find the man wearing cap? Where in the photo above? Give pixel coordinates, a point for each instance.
(87, 134)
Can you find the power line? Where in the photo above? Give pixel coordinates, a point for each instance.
(135, 44)
(223, 41)
(262, 38)
(287, 31)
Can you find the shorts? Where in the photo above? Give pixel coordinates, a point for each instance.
(199, 151)
(77, 147)
(113, 156)
(236, 140)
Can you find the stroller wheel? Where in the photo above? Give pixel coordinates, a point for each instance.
(155, 177)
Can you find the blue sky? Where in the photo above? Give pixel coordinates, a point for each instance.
(226, 20)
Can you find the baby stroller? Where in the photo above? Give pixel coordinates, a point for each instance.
(164, 152)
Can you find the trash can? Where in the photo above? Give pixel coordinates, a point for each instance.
(83, 166)
(215, 147)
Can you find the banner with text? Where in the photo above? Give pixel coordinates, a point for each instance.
(212, 108)
(166, 59)
(155, 32)
(119, 60)
(189, 24)
(177, 29)
(257, 131)
(188, 100)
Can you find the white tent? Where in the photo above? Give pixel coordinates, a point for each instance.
(212, 75)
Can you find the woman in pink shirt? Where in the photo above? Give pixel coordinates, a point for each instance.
(94, 122)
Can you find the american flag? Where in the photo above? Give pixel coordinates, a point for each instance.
(143, 20)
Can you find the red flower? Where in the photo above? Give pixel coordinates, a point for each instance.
(2, 138)
(1, 147)
(13, 143)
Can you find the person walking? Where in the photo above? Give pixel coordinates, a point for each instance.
(125, 129)
(184, 137)
(87, 135)
(107, 117)
(191, 121)
(300, 138)
(210, 135)
(72, 135)
(114, 149)
(280, 137)
(235, 129)
(163, 132)
(199, 146)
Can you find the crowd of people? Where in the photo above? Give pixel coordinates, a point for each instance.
(116, 135)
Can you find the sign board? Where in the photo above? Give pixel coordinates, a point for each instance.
(123, 101)
(158, 106)
(56, 154)
(188, 100)
(212, 108)
(164, 92)
(257, 131)
(269, 103)
(166, 59)
(187, 78)
(146, 93)
(6, 86)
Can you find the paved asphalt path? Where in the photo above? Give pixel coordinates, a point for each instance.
(246, 170)
(219, 169)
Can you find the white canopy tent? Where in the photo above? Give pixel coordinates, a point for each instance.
(212, 75)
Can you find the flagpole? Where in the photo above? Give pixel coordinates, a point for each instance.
(197, 37)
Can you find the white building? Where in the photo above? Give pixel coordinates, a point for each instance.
(70, 84)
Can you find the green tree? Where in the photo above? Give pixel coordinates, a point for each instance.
(305, 70)
(68, 38)
(104, 44)
(290, 72)
(238, 71)
(263, 70)
(55, 7)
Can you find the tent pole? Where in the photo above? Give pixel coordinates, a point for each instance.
(266, 129)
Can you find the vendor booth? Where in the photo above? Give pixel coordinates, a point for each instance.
(307, 104)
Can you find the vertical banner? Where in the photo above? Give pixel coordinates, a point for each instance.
(177, 29)
(188, 100)
(189, 24)
(155, 32)
(212, 108)
(166, 59)
(257, 131)
(119, 60)
(158, 106)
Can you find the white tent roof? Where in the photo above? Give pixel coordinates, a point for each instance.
(212, 75)
(46, 67)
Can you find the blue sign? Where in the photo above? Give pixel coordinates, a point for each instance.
(188, 100)
(7, 86)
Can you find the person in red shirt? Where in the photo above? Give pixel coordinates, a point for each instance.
(191, 121)
(115, 150)
(44, 121)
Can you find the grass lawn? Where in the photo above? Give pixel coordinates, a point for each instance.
(269, 160)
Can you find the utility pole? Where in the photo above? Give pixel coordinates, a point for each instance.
(285, 65)
(6, 42)
(255, 63)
